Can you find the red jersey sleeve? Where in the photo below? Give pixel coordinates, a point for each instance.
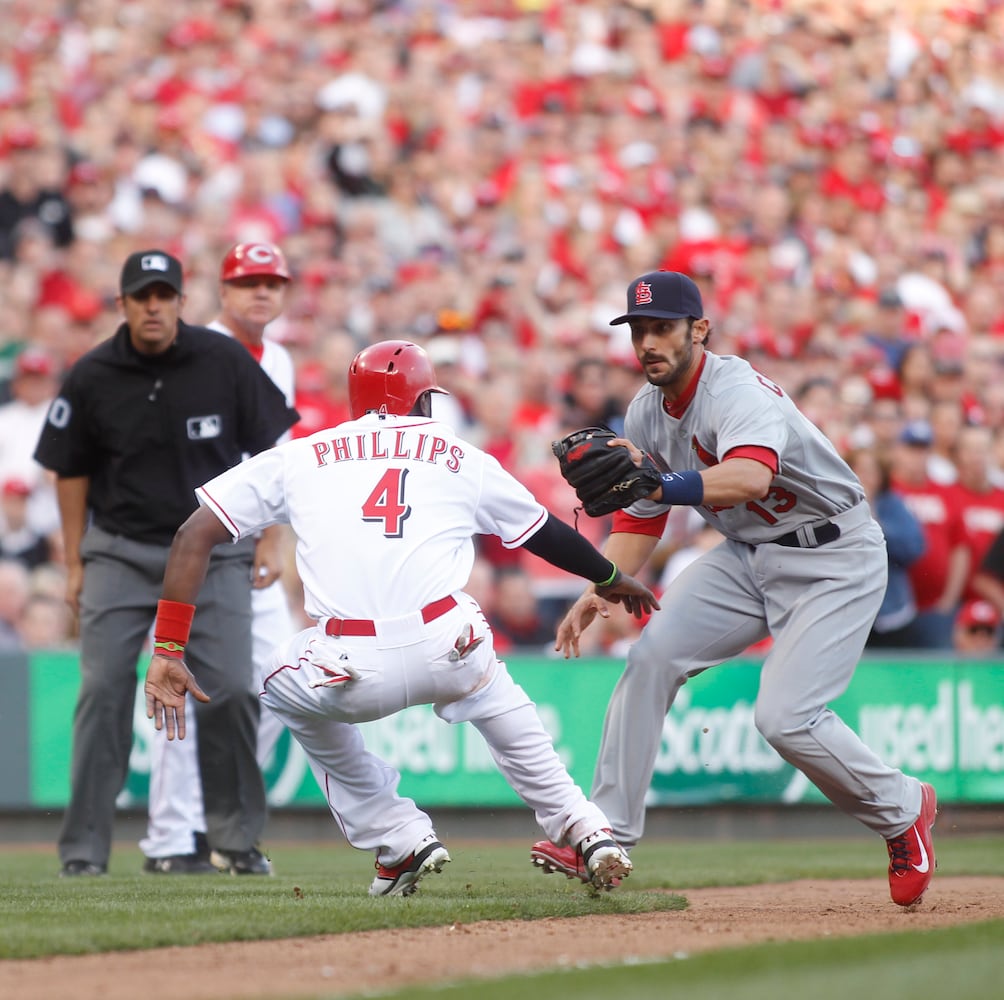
(759, 454)
(628, 524)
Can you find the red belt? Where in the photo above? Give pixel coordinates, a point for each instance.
(365, 626)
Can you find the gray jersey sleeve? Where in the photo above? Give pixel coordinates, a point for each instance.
(735, 408)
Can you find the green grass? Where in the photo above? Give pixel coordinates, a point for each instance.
(315, 891)
(322, 890)
(963, 963)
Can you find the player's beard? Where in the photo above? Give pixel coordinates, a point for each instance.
(672, 370)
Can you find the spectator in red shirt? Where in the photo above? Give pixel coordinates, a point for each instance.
(981, 503)
(988, 581)
(322, 393)
(517, 618)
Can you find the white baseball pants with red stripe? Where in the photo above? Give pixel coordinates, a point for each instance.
(320, 687)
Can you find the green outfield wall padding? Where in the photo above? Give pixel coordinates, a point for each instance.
(940, 720)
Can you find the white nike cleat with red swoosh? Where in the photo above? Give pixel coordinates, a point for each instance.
(911, 854)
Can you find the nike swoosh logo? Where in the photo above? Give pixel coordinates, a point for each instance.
(924, 863)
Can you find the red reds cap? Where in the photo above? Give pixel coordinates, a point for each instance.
(147, 267)
(32, 361)
(16, 488)
(192, 31)
(662, 295)
(84, 305)
(979, 613)
(884, 383)
(84, 172)
(243, 260)
(20, 137)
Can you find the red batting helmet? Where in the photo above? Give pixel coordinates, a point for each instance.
(244, 259)
(389, 377)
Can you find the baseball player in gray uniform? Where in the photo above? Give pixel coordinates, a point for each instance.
(384, 508)
(803, 561)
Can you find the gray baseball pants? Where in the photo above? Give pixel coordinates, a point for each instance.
(118, 604)
(818, 604)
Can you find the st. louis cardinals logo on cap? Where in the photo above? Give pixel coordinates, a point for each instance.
(643, 294)
(662, 295)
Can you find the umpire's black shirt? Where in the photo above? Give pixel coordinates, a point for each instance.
(148, 429)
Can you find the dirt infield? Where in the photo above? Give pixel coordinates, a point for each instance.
(347, 964)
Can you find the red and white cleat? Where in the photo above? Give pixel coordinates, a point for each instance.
(598, 860)
(911, 854)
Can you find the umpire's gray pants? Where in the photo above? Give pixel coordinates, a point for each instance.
(118, 604)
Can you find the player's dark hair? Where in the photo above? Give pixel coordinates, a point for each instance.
(423, 405)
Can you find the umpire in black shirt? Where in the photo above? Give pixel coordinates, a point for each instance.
(140, 421)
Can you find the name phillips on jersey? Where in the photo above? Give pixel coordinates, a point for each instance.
(391, 446)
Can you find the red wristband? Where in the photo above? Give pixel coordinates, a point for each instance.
(174, 622)
(169, 648)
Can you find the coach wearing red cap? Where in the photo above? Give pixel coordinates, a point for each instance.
(254, 278)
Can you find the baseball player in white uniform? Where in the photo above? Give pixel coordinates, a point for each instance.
(384, 508)
(803, 562)
(253, 281)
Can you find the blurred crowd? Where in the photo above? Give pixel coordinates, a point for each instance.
(485, 177)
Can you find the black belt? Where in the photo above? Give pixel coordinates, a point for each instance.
(809, 536)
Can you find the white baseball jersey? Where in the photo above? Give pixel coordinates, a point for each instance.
(175, 801)
(733, 407)
(384, 509)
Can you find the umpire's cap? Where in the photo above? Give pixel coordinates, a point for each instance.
(147, 267)
(662, 295)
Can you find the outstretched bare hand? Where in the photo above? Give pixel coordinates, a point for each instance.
(577, 619)
(168, 679)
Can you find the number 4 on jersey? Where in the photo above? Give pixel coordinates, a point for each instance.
(386, 503)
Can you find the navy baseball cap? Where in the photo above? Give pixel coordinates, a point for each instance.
(146, 267)
(662, 295)
(917, 433)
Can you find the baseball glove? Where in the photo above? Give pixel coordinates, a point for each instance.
(605, 478)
